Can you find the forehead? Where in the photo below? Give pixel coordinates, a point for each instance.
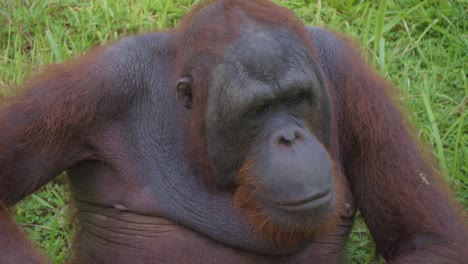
(266, 55)
(263, 61)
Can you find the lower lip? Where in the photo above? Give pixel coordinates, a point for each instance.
(306, 204)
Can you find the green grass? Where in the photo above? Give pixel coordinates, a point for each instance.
(421, 46)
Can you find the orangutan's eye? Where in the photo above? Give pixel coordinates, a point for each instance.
(259, 110)
(296, 100)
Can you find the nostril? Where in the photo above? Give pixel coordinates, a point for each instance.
(287, 136)
(284, 141)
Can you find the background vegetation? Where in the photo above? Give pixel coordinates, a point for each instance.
(421, 46)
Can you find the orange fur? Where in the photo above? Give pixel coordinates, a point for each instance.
(245, 200)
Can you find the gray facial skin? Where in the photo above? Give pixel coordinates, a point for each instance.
(259, 103)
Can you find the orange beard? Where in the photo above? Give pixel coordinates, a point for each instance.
(292, 234)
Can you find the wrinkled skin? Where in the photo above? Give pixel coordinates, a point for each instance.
(256, 149)
(137, 197)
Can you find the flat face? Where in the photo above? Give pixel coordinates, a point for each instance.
(261, 68)
(264, 100)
